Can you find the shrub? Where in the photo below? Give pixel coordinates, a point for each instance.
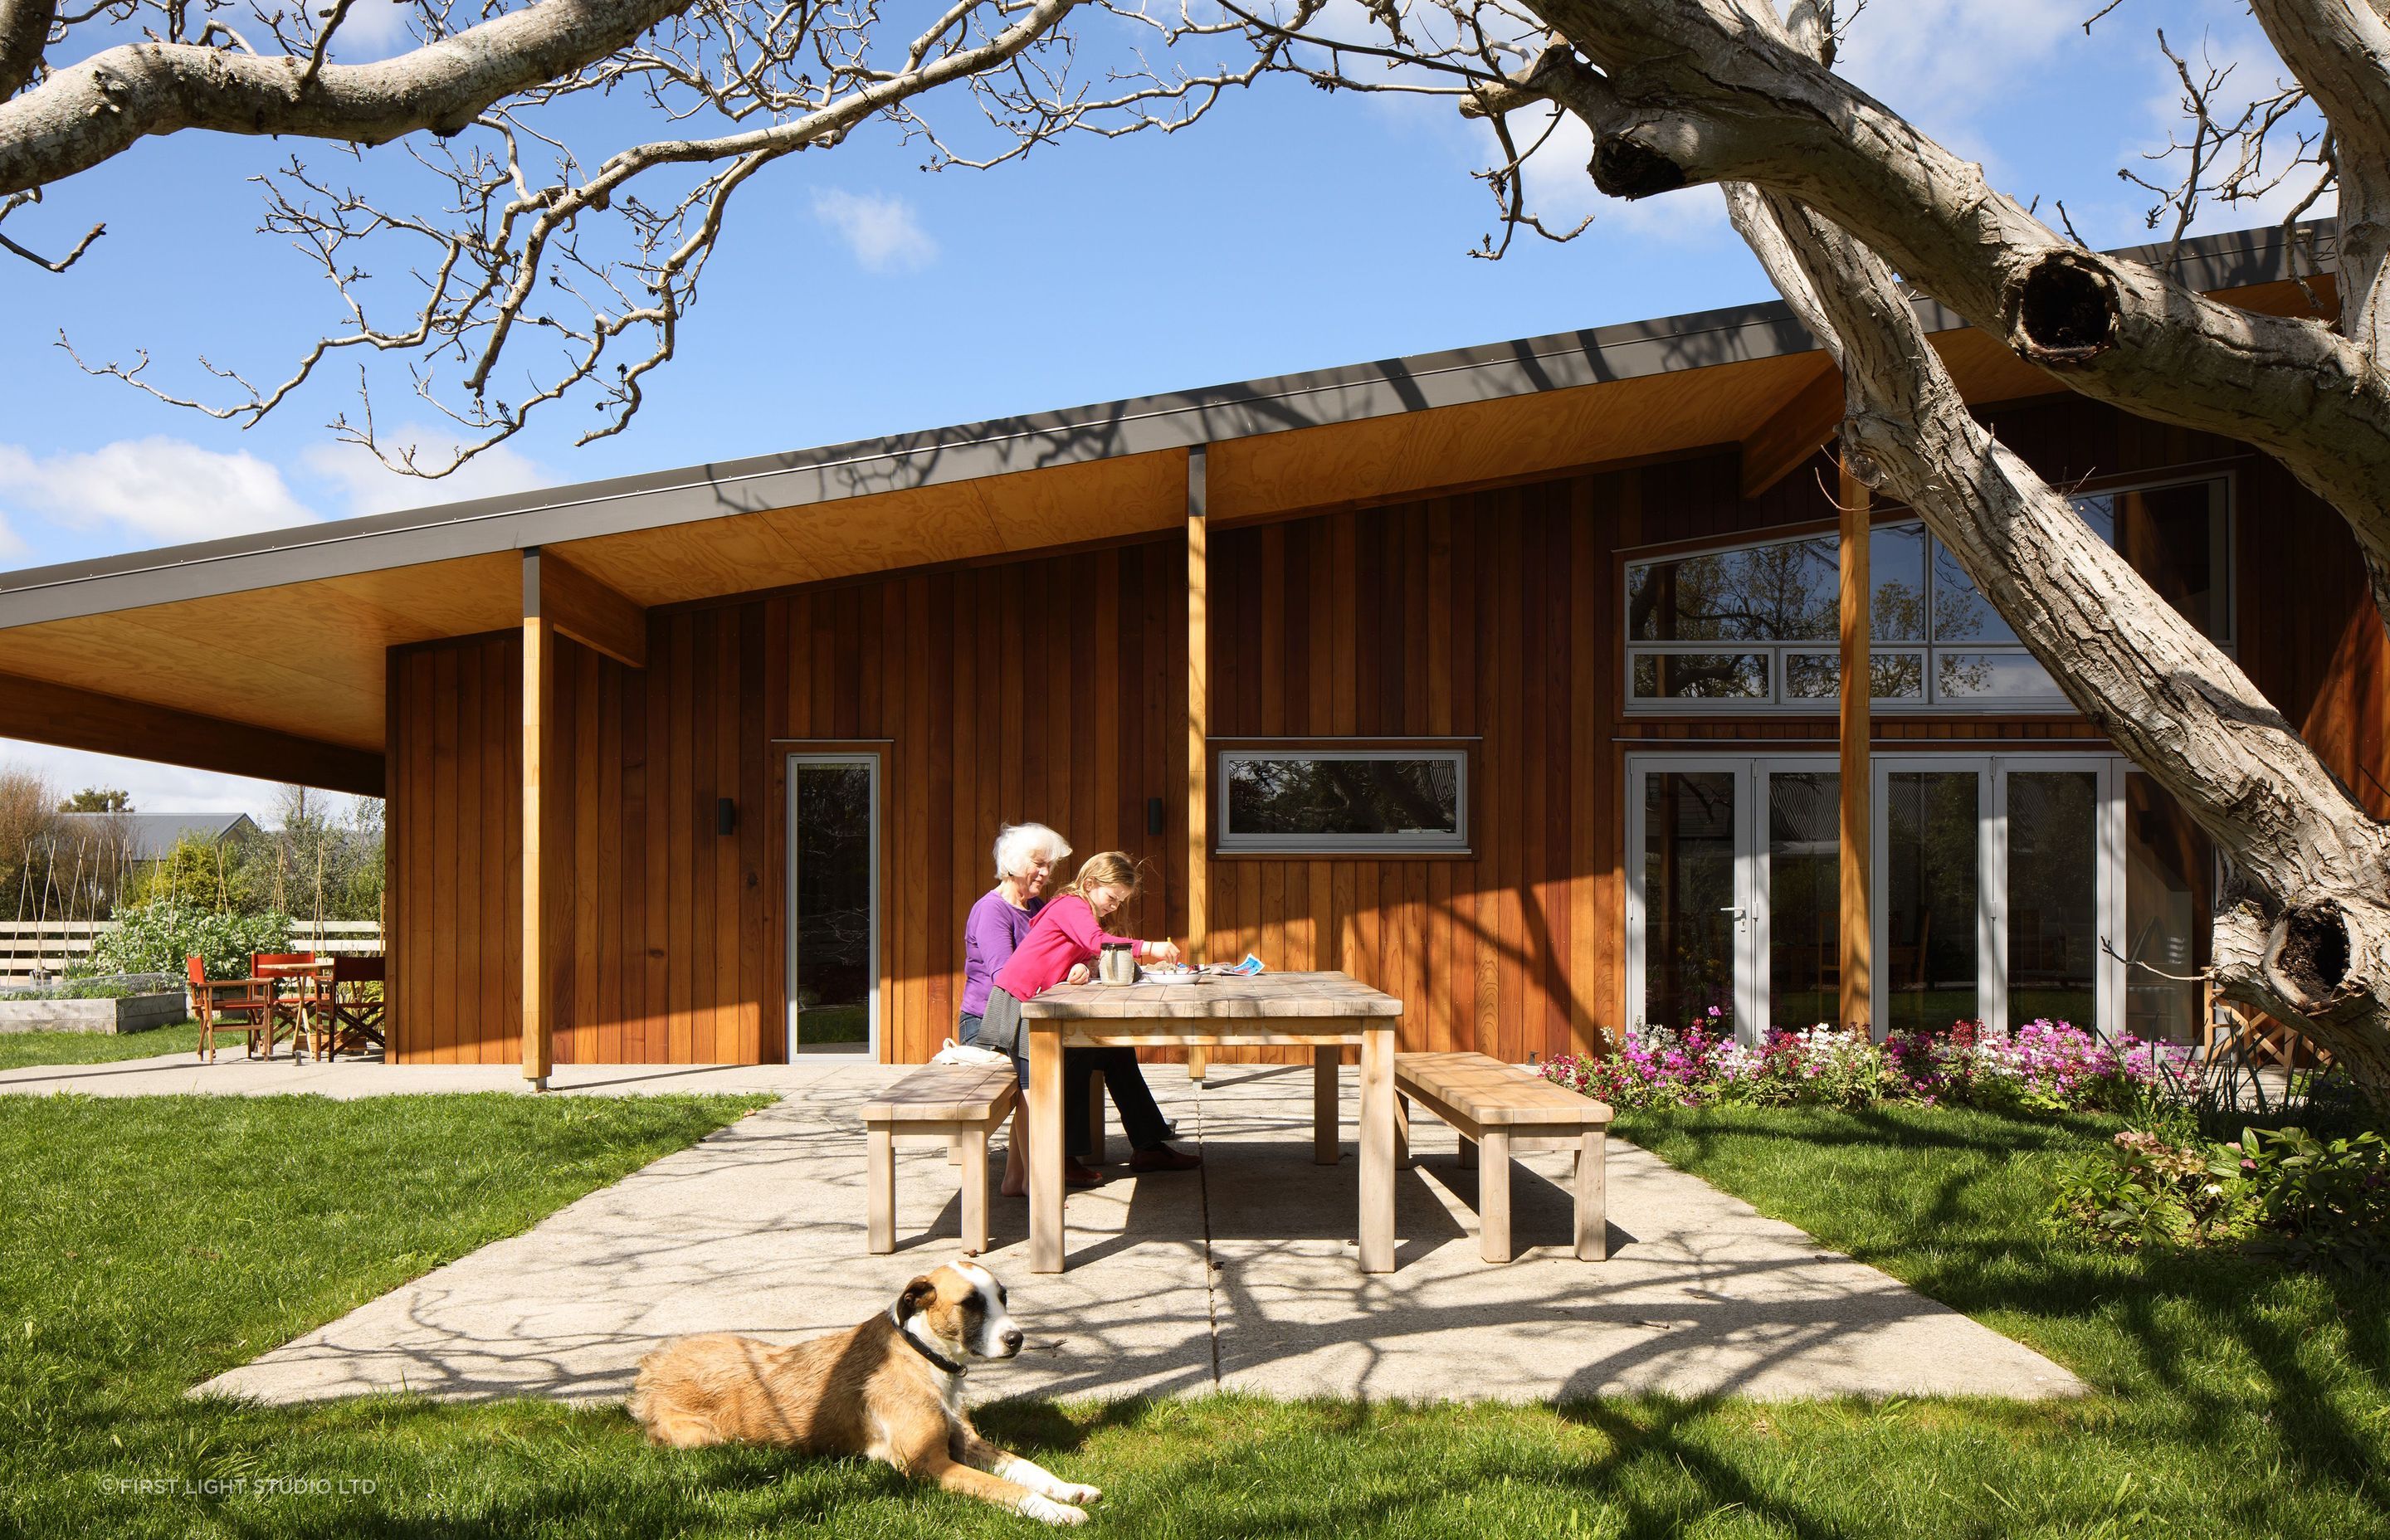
(157, 937)
(2144, 1189)
(2325, 1199)
(2286, 1192)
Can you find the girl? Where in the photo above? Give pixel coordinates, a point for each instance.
(1061, 947)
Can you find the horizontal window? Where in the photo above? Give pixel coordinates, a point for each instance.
(1349, 802)
(1767, 609)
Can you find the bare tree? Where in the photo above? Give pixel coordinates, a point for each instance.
(534, 272)
(1840, 197)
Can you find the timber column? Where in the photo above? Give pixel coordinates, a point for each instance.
(1856, 931)
(1198, 721)
(560, 601)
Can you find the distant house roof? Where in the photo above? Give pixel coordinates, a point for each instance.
(154, 834)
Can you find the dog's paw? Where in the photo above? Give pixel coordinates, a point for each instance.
(1084, 1496)
(1047, 1510)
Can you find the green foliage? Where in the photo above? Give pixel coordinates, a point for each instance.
(2324, 1200)
(158, 936)
(2284, 1193)
(99, 799)
(198, 872)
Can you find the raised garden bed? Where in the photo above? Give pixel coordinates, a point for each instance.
(119, 1004)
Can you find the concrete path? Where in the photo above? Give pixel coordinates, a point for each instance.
(1240, 1277)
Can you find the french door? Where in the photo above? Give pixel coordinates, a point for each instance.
(834, 898)
(1994, 882)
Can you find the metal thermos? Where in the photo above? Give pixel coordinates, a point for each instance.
(1117, 963)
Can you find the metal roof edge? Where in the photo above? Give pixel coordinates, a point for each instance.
(1001, 446)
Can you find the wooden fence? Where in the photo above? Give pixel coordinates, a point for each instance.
(55, 945)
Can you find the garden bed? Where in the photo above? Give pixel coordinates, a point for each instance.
(124, 1003)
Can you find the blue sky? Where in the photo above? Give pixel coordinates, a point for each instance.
(855, 296)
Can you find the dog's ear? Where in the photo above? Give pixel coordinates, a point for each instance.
(916, 1298)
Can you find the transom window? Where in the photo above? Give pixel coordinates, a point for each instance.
(1756, 626)
(1343, 801)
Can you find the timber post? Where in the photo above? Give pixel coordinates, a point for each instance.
(1198, 715)
(1856, 932)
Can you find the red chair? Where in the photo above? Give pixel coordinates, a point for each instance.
(215, 999)
(288, 982)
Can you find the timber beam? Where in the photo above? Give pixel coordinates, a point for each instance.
(1806, 423)
(599, 617)
(1856, 604)
(66, 717)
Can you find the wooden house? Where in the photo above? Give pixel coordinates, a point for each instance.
(1506, 679)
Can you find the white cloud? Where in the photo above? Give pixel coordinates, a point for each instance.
(13, 549)
(374, 29)
(155, 788)
(369, 486)
(165, 491)
(1935, 62)
(881, 231)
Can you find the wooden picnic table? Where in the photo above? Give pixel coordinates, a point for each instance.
(1324, 1013)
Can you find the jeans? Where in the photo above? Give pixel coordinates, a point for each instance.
(1139, 1114)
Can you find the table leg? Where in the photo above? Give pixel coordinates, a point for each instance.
(1045, 1149)
(1378, 1149)
(1592, 1216)
(1325, 1144)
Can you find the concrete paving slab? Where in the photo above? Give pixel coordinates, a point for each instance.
(1241, 1277)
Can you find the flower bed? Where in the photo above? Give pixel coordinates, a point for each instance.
(2043, 1066)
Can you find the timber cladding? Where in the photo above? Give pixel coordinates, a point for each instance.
(1053, 688)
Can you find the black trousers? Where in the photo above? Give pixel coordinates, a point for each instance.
(1141, 1116)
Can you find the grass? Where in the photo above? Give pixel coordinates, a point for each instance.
(18, 1049)
(148, 1245)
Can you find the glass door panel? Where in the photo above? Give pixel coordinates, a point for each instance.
(2169, 895)
(1691, 907)
(1928, 967)
(833, 913)
(1803, 918)
(2053, 897)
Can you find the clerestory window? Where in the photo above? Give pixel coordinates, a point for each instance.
(1754, 627)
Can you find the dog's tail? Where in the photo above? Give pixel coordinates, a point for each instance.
(653, 1406)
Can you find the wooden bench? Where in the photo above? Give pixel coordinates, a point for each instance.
(961, 1103)
(1501, 1110)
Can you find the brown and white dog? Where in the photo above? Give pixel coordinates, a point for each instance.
(890, 1388)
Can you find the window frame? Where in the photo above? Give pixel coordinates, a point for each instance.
(1457, 845)
(1930, 703)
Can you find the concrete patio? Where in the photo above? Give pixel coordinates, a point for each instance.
(1239, 1276)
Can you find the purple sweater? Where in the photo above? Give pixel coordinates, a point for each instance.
(990, 937)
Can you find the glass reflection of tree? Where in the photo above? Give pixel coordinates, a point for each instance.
(833, 839)
(1687, 882)
(1342, 796)
(1784, 592)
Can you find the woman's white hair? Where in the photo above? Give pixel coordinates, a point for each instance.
(1018, 846)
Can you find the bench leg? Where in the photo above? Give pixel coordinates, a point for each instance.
(1326, 1144)
(1592, 1216)
(974, 1154)
(1096, 1118)
(1494, 1195)
(1402, 1129)
(1198, 1061)
(881, 1189)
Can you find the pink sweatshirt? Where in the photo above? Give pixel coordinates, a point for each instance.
(1064, 935)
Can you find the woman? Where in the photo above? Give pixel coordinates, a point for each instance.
(1017, 946)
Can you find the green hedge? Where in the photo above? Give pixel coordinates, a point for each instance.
(158, 937)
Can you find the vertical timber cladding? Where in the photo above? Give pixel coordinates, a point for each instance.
(1054, 688)
(1486, 617)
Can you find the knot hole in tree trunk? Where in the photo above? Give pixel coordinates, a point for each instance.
(1626, 167)
(2063, 310)
(2314, 955)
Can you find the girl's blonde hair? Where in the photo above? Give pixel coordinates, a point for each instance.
(1105, 869)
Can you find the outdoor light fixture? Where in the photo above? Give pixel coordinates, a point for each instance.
(1153, 815)
(726, 815)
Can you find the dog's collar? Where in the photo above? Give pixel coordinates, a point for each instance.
(924, 1349)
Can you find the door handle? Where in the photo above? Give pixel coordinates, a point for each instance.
(1729, 909)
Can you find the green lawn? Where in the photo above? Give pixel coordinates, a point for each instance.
(150, 1244)
(21, 1048)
